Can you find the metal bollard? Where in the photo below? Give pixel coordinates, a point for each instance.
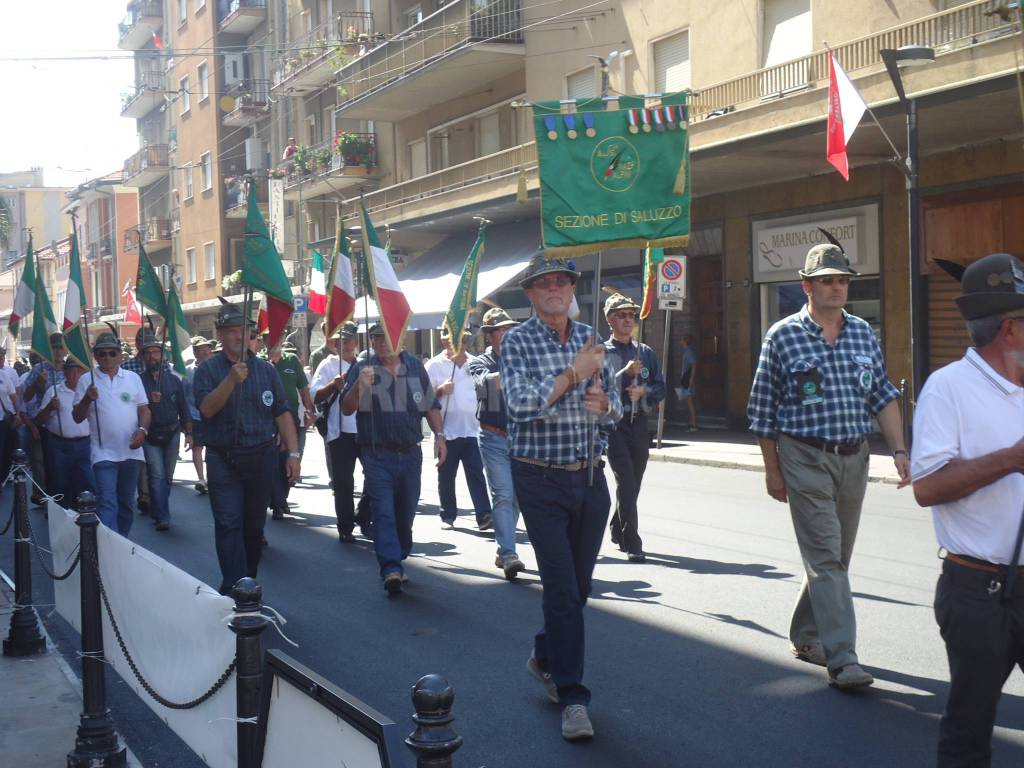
(434, 742)
(25, 637)
(247, 594)
(97, 744)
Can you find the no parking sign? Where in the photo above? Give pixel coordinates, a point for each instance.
(672, 282)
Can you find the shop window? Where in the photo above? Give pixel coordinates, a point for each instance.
(779, 300)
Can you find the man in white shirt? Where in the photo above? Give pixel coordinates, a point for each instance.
(68, 449)
(341, 439)
(968, 457)
(115, 403)
(9, 381)
(455, 388)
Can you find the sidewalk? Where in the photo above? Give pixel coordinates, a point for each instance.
(42, 702)
(739, 450)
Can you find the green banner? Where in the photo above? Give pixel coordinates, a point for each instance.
(613, 178)
(464, 300)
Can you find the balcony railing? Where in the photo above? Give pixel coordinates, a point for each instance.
(157, 230)
(252, 102)
(945, 31)
(240, 17)
(349, 34)
(153, 157)
(236, 194)
(506, 164)
(455, 25)
(149, 10)
(148, 85)
(98, 249)
(354, 151)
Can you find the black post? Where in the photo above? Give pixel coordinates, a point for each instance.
(249, 667)
(97, 744)
(434, 741)
(25, 637)
(918, 343)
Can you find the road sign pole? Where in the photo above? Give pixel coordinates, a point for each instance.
(664, 365)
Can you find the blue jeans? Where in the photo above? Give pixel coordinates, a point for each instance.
(160, 461)
(393, 486)
(115, 493)
(69, 465)
(498, 467)
(465, 450)
(565, 519)
(239, 506)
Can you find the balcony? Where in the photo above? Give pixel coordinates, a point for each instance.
(313, 59)
(321, 169)
(243, 16)
(454, 50)
(148, 95)
(175, 221)
(147, 165)
(156, 235)
(144, 18)
(252, 103)
(236, 196)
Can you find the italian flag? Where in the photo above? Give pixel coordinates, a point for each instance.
(177, 331)
(74, 310)
(25, 298)
(845, 109)
(391, 303)
(650, 283)
(262, 317)
(317, 292)
(263, 271)
(341, 301)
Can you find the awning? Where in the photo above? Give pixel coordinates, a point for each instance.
(429, 283)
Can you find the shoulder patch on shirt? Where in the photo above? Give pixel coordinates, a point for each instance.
(644, 373)
(268, 398)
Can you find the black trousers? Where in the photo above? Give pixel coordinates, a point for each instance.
(343, 453)
(628, 451)
(984, 636)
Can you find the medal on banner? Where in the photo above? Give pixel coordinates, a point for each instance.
(633, 118)
(659, 119)
(570, 126)
(670, 118)
(549, 121)
(588, 120)
(645, 118)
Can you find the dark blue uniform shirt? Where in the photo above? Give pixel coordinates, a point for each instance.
(621, 353)
(490, 407)
(263, 400)
(172, 411)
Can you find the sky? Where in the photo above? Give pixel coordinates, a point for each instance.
(64, 115)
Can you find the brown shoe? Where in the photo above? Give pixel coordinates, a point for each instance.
(849, 677)
(393, 583)
(812, 653)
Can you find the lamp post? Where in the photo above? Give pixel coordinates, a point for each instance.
(895, 59)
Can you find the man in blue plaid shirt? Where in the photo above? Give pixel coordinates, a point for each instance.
(562, 400)
(820, 379)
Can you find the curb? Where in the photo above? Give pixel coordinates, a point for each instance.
(723, 464)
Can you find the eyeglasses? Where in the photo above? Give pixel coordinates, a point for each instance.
(101, 353)
(625, 315)
(558, 281)
(842, 279)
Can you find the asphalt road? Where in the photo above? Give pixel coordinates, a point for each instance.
(687, 655)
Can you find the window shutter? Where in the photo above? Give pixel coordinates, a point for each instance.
(672, 63)
(582, 84)
(787, 30)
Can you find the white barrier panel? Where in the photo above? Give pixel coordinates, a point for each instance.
(173, 626)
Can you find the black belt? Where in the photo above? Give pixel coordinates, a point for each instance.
(574, 467)
(975, 564)
(68, 439)
(828, 446)
(391, 448)
(493, 429)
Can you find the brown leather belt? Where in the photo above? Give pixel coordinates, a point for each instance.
(493, 430)
(576, 466)
(838, 449)
(979, 565)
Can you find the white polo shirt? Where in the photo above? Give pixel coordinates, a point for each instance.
(967, 410)
(458, 408)
(65, 426)
(118, 409)
(337, 422)
(9, 382)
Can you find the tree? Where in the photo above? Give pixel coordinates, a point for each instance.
(6, 219)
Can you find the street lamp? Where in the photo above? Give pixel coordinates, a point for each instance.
(895, 60)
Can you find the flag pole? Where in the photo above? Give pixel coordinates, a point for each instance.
(591, 419)
(366, 323)
(88, 340)
(246, 308)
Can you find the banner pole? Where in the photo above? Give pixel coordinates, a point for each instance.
(664, 359)
(592, 420)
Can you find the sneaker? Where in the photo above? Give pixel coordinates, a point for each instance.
(550, 689)
(162, 525)
(393, 583)
(812, 653)
(576, 723)
(201, 489)
(346, 538)
(486, 524)
(637, 557)
(512, 565)
(850, 676)
(277, 514)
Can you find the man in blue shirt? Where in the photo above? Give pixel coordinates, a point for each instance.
(390, 393)
(38, 390)
(562, 397)
(244, 408)
(820, 379)
(641, 387)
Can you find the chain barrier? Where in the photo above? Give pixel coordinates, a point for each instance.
(225, 676)
(10, 518)
(32, 536)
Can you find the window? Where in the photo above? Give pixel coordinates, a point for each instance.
(672, 63)
(787, 31)
(182, 11)
(184, 95)
(187, 170)
(190, 265)
(203, 76)
(582, 84)
(200, 4)
(417, 159)
(413, 16)
(207, 170)
(210, 256)
(488, 132)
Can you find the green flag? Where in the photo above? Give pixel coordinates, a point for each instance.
(464, 300)
(613, 179)
(74, 310)
(43, 323)
(177, 331)
(148, 290)
(263, 270)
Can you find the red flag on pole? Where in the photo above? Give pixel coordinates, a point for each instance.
(845, 109)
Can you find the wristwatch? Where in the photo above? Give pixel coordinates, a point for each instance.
(143, 430)
(294, 455)
(898, 452)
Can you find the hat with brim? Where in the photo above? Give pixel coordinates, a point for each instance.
(200, 341)
(617, 301)
(826, 259)
(348, 331)
(376, 330)
(150, 341)
(496, 318)
(228, 316)
(56, 339)
(106, 341)
(70, 362)
(991, 286)
(543, 265)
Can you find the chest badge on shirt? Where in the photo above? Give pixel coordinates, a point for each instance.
(809, 383)
(644, 373)
(268, 398)
(865, 378)
(125, 397)
(417, 397)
